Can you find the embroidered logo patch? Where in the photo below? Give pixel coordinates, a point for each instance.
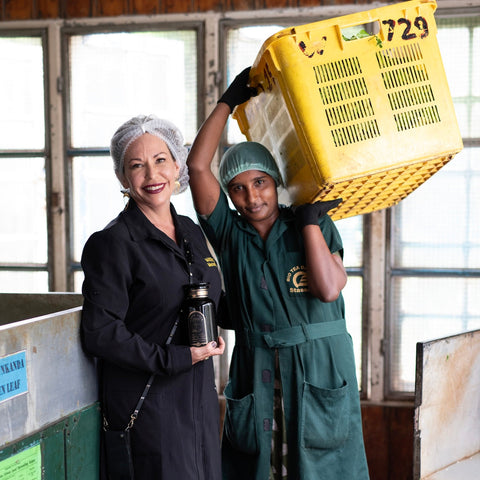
(210, 261)
(297, 279)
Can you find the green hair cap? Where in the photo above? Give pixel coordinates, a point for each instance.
(246, 156)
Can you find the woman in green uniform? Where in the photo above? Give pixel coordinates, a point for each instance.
(293, 407)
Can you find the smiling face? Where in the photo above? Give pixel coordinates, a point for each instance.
(254, 195)
(150, 172)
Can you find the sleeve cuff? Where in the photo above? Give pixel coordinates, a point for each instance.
(181, 358)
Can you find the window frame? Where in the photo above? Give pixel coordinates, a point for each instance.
(377, 271)
(211, 81)
(225, 26)
(70, 152)
(45, 153)
(392, 271)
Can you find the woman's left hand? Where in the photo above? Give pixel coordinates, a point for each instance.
(199, 354)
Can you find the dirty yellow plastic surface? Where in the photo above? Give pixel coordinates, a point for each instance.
(367, 119)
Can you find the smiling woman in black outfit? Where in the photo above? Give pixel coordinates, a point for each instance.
(135, 272)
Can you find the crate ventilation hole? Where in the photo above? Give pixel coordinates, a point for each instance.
(348, 108)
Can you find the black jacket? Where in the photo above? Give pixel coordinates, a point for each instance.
(133, 289)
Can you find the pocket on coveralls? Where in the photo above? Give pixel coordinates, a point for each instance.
(324, 416)
(240, 422)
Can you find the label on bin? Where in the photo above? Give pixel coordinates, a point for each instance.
(26, 465)
(13, 376)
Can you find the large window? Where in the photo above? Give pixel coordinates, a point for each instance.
(414, 270)
(433, 244)
(434, 278)
(114, 76)
(243, 43)
(23, 193)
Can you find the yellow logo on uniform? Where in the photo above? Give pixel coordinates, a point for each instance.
(210, 261)
(297, 279)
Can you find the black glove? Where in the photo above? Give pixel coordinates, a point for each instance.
(309, 213)
(238, 92)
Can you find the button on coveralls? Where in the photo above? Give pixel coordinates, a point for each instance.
(272, 311)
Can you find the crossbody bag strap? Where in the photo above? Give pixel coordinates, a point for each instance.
(189, 256)
(134, 415)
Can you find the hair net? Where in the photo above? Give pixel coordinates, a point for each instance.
(247, 156)
(163, 129)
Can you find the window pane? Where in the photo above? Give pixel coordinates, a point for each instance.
(243, 45)
(23, 282)
(463, 117)
(476, 62)
(475, 122)
(23, 236)
(454, 47)
(425, 309)
(351, 231)
(183, 204)
(437, 225)
(352, 294)
(115, 76)
(459, 41)
(97, 199)
(22, 117)
(78, 278)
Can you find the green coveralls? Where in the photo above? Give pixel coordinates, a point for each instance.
(271, 310)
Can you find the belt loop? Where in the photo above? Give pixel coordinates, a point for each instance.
(306, 332)
(268, 340)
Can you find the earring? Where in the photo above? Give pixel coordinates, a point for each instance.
(177, 186)
(126, 196)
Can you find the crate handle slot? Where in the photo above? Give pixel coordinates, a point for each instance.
(368, 30)
(363, 30)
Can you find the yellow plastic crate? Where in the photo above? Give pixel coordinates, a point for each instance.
(367, 119)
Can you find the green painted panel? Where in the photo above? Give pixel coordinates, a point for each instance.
(52, 452)
(69, 448)
(82, 445)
